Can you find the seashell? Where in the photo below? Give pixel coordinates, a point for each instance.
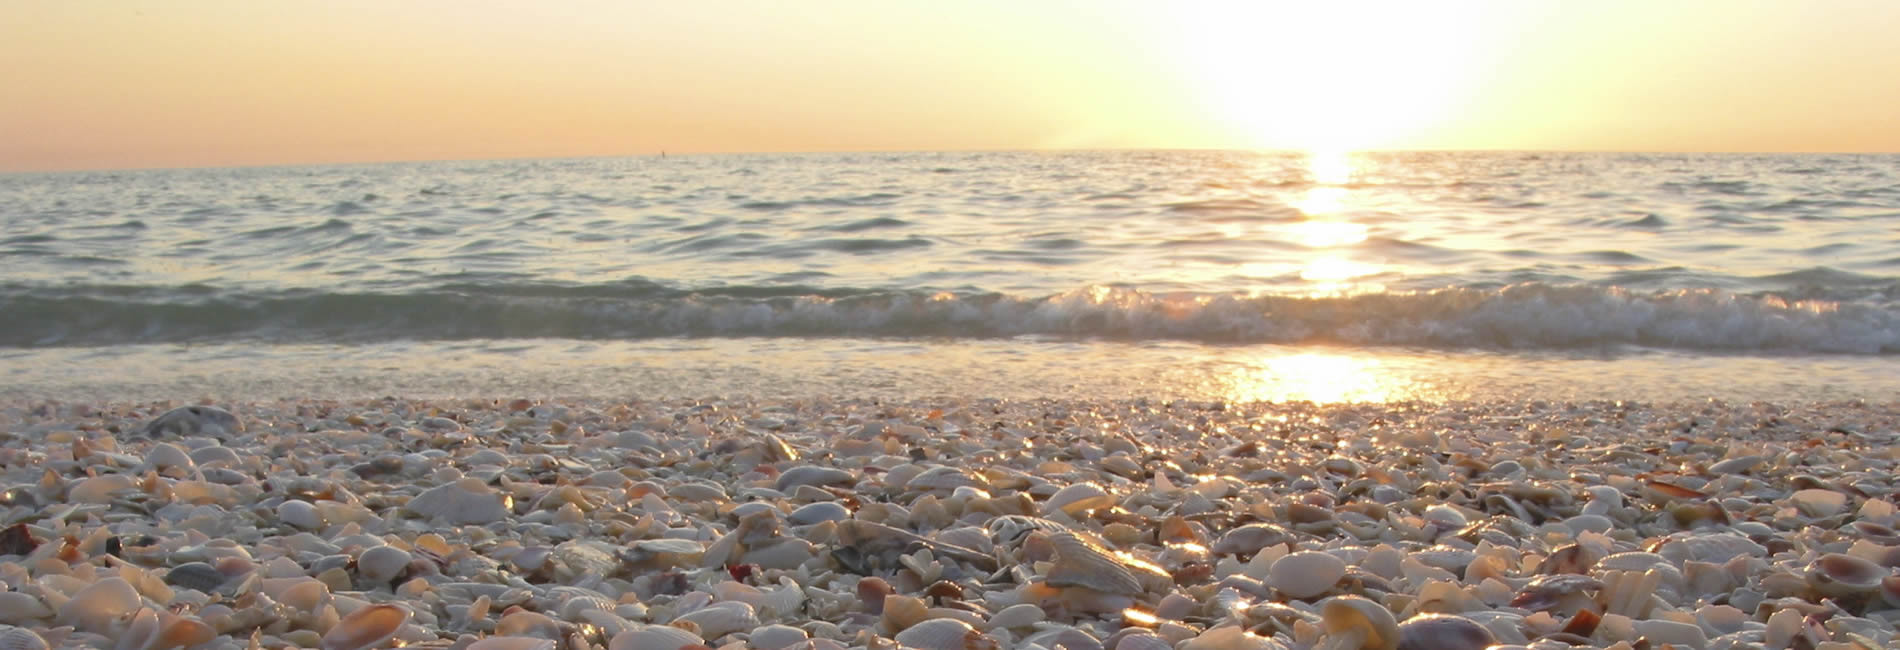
(17, 608)
(1441, 632)
(96, 607)
(1546, 591)
(1082, 563)
(813, 475)
(654, 637)
(466, 501)
(1306, 574)
(775, 637)
(1355, 623)
(300, 514)
(944, 634)
(512, 643)
(1837, 575)
(19, 638)
(1818, 503)
(1736, 465)
(1228, 637)
(812, 513)
(1249, 539)
(370, 626)
(1137, 639)
(381, 564)
(1075, 499)
(719, 619)
(143, 631)
(946, 479)
(165, 455)
(901, 612)
(1010, 529)
(1017, 615)
(100, 489)
(194, 421)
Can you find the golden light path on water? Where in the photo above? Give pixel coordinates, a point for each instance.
(1322, 377)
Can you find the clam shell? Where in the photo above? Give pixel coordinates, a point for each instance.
(1075, 499)
(944, 634)
(946, 479)
(775, 637)
(1441, 632)
(367, 627)
(1306, 574)
(467, 501)
(17, 608)
(1837, 574)
(380, 564)
(719, 619)
(96, 607)
(1249, 539)
(813, 475)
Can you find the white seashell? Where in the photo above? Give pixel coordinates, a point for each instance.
(466, 501)
(654, 637)
(944, 634)
(142, 633)
(1017, 615)
(1228, 637)
(946, 479)
(1306, 574)
(813, 475)
(19, 638)
(524, 623)
(1836, 574)
(165, 455)
(787, 554)
(1441, 632)
(1078, 498)
(1818, 503)
(380, 564)
(300, 514)
(17, 608)
(512, 643)
(719, 619)
(96, 607)
(100, 489)
(367, 627)
(775, 637)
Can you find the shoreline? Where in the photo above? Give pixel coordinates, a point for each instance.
(841, 523)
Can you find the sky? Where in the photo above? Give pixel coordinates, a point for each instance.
(99, 84)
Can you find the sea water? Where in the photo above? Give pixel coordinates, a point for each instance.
(1173, 275)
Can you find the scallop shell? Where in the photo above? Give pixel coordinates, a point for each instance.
(1083, 563)
(368, 627)
(467, 501)
(944, 634)
(654, 637)
(1010, 529)
(19, 638)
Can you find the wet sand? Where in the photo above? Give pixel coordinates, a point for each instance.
(1128, 524)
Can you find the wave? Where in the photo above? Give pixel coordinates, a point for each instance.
(1518, 317)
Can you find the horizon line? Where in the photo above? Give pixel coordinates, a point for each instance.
(668, 153)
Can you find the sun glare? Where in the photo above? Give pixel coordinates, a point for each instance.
(1328, 76)
(1318, 377)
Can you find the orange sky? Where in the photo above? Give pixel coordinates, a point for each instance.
(149, 83)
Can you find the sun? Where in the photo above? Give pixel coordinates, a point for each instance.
(1327, 76)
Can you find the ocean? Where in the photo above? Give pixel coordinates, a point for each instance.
(1217, 276)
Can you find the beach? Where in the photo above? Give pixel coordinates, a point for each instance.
(857, 523)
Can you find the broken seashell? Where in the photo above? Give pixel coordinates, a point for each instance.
(466, 501)
(1083, 563)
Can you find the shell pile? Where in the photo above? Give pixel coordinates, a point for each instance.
(1123, 525)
